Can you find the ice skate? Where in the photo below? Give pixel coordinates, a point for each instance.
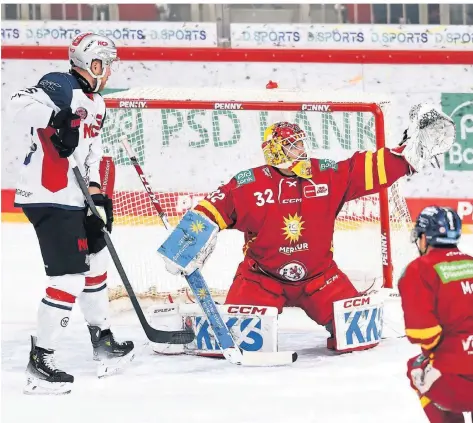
(111, 355)
(43, 378)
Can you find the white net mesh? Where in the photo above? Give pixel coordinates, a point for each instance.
(187, 150)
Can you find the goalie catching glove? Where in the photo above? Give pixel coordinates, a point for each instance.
(189, 244)
(430, 134)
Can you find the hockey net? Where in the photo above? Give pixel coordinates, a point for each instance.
(190, 142)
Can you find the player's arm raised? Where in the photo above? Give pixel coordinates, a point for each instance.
(418, 304)
(368, 172)
(430, 133)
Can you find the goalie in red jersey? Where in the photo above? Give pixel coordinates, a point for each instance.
(287, 210)
(437, 298)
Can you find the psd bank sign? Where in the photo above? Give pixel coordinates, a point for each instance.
(460, 108)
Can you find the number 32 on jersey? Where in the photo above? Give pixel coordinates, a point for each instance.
(264, 198)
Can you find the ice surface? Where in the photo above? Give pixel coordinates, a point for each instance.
(365, 387)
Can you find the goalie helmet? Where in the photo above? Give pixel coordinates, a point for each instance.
(441, 226)
(87, 47)
(284, 147)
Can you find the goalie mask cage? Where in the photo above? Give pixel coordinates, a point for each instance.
(189, 142)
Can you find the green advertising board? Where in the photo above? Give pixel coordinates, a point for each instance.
(123, 123)
(225, 129)
(460, 108)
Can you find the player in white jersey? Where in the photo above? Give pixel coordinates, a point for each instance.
(64, 114)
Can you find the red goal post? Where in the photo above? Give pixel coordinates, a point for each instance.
(151, 109)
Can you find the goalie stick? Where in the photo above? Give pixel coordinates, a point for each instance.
(197, 283)
(154, 335)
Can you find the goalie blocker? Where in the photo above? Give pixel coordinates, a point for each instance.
(358, 324)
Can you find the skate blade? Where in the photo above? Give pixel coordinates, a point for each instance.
(112, 366)
(35, 386)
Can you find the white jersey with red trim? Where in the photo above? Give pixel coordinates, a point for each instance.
(45, 178)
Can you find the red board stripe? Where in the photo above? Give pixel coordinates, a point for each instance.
(408, 57)
(177, 202)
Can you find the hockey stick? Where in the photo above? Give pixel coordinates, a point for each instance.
(231, 351)
(154, 335)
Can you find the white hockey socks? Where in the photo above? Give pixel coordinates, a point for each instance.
(55, 309)
(93, 300)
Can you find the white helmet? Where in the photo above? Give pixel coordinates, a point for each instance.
(87, 47)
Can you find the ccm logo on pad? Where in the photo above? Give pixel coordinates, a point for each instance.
(356, 302)
(236, 309)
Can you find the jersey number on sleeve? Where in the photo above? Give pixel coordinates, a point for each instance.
(31, 90)
(216, 195)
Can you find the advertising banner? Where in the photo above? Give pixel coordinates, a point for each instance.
(343, 37)
(460, 108)
(145, 34)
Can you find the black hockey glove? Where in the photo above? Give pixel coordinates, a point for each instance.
(104, 206)
(66, 138)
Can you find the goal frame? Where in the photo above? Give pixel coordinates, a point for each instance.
(271, 105)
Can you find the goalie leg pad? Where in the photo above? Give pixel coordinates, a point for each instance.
(254, 328)
(357, 323)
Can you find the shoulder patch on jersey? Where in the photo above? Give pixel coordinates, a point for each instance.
(58, 86)
(267, 171)
(245, 177)
(325, 164)
(454, 270)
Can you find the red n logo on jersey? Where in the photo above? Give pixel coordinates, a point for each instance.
(82, 244)
(91, 131)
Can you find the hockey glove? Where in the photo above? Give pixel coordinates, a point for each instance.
(430, 134)
(66, 138)
(104, 206)
(421, 373)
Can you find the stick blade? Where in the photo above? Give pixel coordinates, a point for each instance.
(268, 359)
(177, 337)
